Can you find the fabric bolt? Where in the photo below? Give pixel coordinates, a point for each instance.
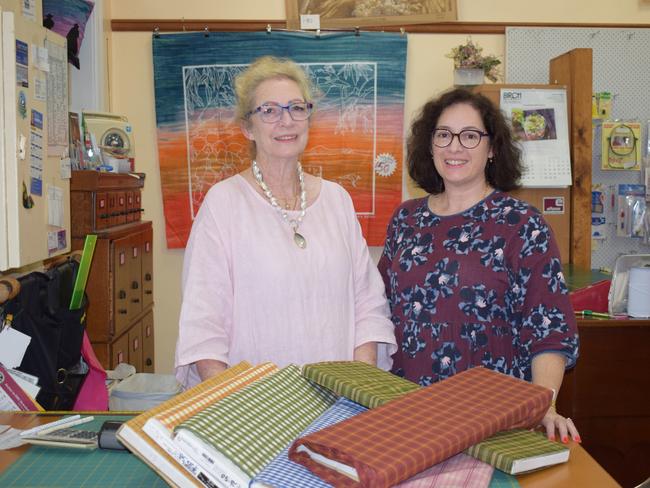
(459, 471)
(480, 288)
(503, 448)
(393, 442)
(230, 380)
(251, 426)
(250, 294)
(358, 381)
(283, 473)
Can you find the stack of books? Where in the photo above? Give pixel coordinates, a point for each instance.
(332, 423)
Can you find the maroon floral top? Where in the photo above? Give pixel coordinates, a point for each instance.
(480, 288)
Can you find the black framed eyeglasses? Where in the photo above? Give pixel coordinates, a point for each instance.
(272, 112)
(469, 138)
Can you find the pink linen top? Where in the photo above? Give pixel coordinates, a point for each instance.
(249, 293)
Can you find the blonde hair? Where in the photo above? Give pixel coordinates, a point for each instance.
(267, 68)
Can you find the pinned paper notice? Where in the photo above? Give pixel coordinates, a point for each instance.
(13, 345)
(56, 206)
(309, 22)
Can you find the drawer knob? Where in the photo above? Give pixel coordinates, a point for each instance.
(122, 311)
(147, 277)
(135, 285)
(149, 362)
(122, 294)
(148, 292)
(135, 300)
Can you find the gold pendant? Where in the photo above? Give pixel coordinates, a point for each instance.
(300, 241)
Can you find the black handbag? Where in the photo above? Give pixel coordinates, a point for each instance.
(41, 311)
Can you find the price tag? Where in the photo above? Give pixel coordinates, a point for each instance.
(308, 22)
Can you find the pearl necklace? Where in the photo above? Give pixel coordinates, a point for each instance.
(298, 238)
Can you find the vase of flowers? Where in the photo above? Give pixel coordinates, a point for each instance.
(471, 66)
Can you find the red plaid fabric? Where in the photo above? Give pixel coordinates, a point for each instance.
(393, 442)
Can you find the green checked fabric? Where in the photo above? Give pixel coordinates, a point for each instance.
(252, 425)
(360, 382)
(503, 448)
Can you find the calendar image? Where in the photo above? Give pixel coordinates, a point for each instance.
(540, 124)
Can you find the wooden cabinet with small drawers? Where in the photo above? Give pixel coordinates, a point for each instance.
(120, 321)
(103, 200)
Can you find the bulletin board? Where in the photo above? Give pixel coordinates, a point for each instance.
(620, 66)
(34, 175)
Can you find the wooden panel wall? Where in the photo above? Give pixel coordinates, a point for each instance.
(575, 70)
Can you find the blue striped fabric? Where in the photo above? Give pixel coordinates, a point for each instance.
(281, 472)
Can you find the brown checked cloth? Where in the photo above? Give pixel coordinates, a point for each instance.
(395, 441)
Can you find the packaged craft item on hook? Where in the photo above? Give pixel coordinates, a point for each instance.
(630, 210)
(621, 145)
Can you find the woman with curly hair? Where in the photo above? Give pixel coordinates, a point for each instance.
(472, 274)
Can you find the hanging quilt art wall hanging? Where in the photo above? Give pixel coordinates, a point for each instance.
(355, 137)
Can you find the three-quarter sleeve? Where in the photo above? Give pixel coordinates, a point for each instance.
(547, 321)
(372, 313)
(206, 312)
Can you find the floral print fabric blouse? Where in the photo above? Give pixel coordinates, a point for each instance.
(479, 288)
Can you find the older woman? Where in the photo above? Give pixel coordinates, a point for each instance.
(276, 268)
(472, 274)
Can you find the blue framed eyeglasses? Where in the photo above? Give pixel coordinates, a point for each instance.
(272, 112)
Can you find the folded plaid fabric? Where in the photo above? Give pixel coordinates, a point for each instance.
(358, 381)
(195, 399)
(519, 450)
(459, 471)
(286, 474)
(391, 443)
(251, 426)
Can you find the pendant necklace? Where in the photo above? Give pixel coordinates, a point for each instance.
(298, 238)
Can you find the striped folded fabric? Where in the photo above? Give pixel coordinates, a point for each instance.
(459, 471)
(283, 473)
(358, 381)
(393, 442)
(251, 426)
(206, 393)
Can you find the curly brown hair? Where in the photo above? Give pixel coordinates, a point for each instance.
(503, 173)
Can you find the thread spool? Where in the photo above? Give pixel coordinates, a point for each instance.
(638, 301)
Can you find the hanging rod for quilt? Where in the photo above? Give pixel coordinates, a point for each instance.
(194, 25)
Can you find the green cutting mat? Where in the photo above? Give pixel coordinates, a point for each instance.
(54, 467)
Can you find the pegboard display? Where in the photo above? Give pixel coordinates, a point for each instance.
(621, 60)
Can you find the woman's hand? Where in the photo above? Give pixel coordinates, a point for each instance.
(554, 422)
(207, 368)
(367, 353)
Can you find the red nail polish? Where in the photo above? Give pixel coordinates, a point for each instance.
(578, 439)
(565, 439)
